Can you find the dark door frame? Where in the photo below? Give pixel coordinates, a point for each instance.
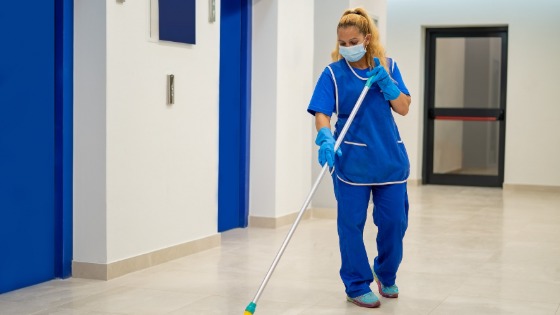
(430, 112)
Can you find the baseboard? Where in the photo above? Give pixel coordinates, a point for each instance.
(414, 182)
(120, 268)
(272, 223)
(86, 270)
(323, 213)
(518, 187)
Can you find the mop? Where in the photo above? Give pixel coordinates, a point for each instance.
(253, 305)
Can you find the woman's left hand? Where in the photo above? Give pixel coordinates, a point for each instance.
(388, 87)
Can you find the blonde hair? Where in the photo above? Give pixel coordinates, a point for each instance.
(359, 18)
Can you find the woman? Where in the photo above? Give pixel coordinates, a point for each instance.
(372, 160)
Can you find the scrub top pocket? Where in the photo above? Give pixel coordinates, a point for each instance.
(356, 161)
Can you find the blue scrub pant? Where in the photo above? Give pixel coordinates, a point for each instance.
(390, 215)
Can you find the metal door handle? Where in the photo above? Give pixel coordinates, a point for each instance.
(170, 89)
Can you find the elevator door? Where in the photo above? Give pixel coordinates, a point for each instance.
(27, 143)
(465, 106)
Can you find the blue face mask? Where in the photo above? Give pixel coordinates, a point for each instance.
(352, 53)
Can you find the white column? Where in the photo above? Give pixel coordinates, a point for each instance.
(145, 173)
(263, 109)
(282, 87)
(90, 93)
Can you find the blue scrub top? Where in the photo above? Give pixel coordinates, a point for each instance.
(372, 151)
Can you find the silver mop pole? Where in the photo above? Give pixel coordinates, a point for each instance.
(252, 306)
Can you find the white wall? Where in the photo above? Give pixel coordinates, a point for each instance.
(262, 195)
(532, 145)
(161, 162)
(377, 9)
(327, 14)
(282, 86)
(294, 87)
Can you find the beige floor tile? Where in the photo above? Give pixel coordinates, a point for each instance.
(19, 308)
(56, 292)
(511, 289)
(219, 305)
(462, 245)
(126, 300)
(491, 306)
(61, 311)
(520, 270)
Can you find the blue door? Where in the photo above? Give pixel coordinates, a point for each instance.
(27, 143)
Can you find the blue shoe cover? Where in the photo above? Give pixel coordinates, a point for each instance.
(388, 292)
(369, 300)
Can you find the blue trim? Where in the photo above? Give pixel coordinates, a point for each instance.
(235, 109)
(246, 61)
(64, 33)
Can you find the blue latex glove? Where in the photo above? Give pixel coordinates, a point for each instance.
(390, 90)
(326, 142)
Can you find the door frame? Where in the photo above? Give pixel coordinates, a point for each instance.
(499, 114)
(235, 113)
(63, 168)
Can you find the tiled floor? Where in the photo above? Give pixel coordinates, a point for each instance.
(467, 251)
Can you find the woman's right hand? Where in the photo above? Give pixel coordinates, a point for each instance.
(325, 141)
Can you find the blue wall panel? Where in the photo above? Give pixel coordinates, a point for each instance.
(177, 21)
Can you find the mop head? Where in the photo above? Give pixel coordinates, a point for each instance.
(250, 310)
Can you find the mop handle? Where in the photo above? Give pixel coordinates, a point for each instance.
(313, 190)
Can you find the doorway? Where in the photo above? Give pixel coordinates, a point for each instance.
(465, 112)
